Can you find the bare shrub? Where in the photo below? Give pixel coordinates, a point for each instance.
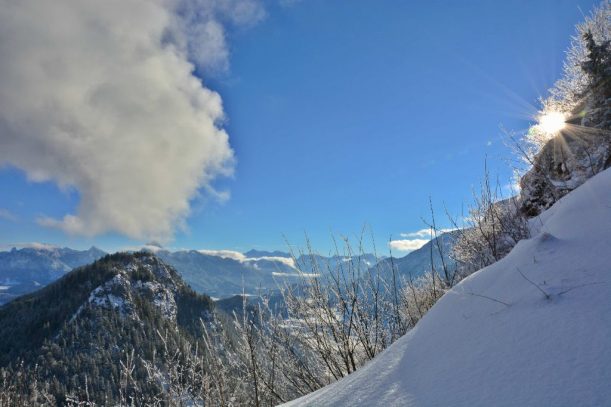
(491, 230)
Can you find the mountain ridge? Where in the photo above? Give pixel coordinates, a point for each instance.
(28, 269)
(81, 326)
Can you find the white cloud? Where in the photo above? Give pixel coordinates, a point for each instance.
(287, 261)
(415, 240)
(198, 27)
(225, 254)
(407, 245)
(28, 245)
(419, 233)
(241, 257)
(100, 96)
(8, 215)
(425, 233)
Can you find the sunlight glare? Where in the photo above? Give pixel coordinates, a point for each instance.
(552, 122)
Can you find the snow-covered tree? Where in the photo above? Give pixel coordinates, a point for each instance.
(585, 70)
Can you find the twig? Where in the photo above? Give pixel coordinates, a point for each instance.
(490, 298)
(547, 296)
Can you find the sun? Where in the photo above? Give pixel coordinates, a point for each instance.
(552, 122)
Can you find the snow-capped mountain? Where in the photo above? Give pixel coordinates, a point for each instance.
(532, 329)
(223, 274)
(219, 273)
(227, 273)
(27, 269)
(263, 253)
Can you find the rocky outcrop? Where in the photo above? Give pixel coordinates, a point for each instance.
(144, 277)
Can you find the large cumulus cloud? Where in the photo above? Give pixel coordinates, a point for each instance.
(101, 96)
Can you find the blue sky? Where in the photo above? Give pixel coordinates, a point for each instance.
(342, 114)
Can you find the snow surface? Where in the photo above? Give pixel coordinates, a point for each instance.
(495, 339)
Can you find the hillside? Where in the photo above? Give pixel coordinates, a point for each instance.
(531, 330)
(80, 329)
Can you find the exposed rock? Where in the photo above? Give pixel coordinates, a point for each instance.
(145, 277)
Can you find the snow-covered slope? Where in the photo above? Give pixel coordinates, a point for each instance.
(498, 339)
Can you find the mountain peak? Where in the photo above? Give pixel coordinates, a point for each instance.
(119, 302)
(137, 275)
(253, 253)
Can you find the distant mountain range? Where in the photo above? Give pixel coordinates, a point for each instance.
(28, 269)
(262, 253)
(225, 274)
(220, 274)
